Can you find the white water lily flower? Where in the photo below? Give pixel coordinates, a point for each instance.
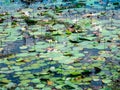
(23, 28)
(97, 28)
(26, 13)
(52, 68)
(49, 40)
(75, 20)
(68, 78)
(1, 49)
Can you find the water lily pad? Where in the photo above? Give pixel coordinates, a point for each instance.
(106, 81)
(46, 88)
(10, 85)
(65, 60)
(5, 80)
(35, 80)
(40, 86)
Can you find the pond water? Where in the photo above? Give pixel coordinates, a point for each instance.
(46, 46)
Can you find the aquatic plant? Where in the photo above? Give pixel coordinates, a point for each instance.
(64, 46)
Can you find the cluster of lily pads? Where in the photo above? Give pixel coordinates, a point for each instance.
(60, 48)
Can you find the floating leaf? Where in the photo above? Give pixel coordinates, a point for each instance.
(35, 80)
(40, 85)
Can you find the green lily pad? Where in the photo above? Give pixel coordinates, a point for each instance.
(35, 80)
(106, 81)
(40, 86)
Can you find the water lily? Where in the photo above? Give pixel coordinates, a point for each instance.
(26, 13)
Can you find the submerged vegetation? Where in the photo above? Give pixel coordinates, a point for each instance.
(60, 46)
